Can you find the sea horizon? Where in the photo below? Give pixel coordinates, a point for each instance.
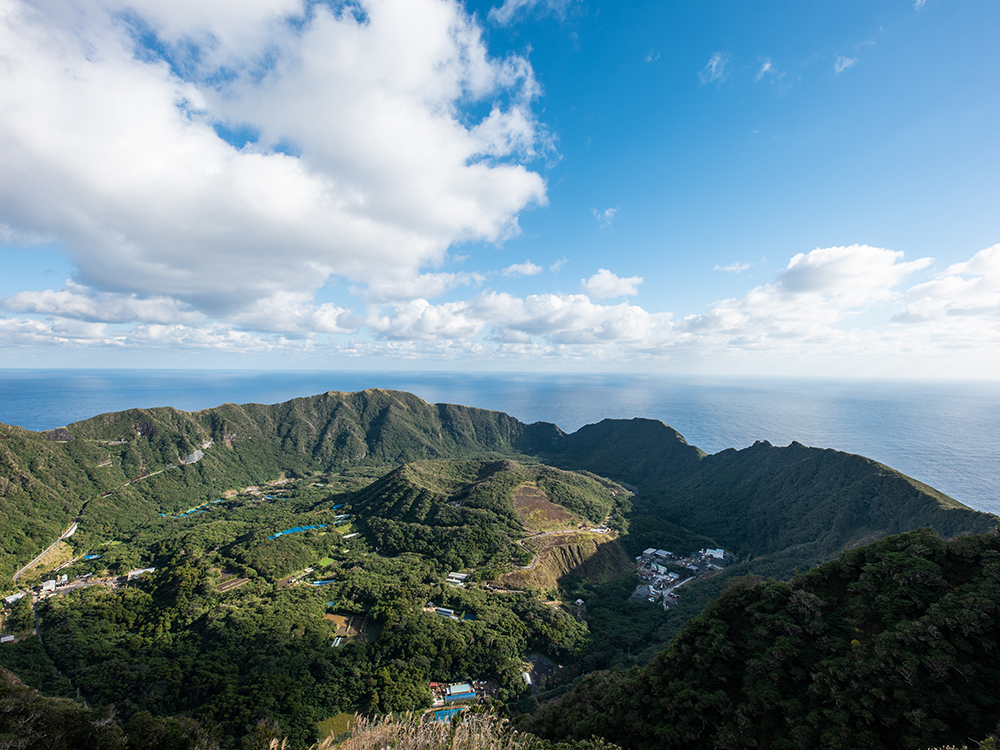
(938, 432)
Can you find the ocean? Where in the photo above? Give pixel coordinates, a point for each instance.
(943, 434)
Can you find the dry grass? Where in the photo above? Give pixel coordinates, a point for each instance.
(52, 559)
(538, 513)
(475, 732)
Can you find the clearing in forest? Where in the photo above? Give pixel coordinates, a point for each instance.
(350, 626)
(52, 559)
(538, 513)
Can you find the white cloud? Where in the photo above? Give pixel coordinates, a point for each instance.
(961, 307)
(566, 319)
(76, 301)
(803, 309)
(735, 267)
(559, 264)
(919, 4)
(505, 14)
(772, 73)
(365, 158)
(522, 269)
(843, 63)
(835, 309)
(651, 56)
(420, 320)
(293, 313)
(426, 285)
(715, 68)
(604, 284)
(605, 217)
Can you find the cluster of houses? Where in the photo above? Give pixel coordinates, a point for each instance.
(658, 569)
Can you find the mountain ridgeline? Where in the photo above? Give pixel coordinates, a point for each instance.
(777, 507)
(341, 552)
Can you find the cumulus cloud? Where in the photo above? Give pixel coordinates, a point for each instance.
(425, 285)
(420, 320)
(76, 301)
(522, 269)
(358, 151)
(850, 305)
(843, 63)
(715, 69)
(961, 306)
(815, 293)
(565, 319)
(604, 284)
(292, 313)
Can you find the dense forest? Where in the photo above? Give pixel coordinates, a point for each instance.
(298, 556)
(893, 645)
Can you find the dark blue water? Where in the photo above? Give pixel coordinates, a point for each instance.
(944, 434)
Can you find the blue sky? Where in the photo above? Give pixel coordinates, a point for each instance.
(804, 188)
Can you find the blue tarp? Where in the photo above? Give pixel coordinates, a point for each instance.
(296, 530)
(445, 714)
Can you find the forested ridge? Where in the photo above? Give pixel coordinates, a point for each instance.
(893, 645)
(297, 548)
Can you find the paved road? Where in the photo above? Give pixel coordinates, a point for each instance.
(69, 532)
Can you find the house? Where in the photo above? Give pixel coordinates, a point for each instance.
(8, 600)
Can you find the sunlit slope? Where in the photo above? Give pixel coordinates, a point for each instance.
(331, 429)
(462, 512)
(121, 462)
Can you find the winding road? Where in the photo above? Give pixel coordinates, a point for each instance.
(68, 533)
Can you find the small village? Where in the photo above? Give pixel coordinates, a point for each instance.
(663, 572)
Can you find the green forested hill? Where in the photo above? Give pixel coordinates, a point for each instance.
(46, 479)
(893, 645)
(461, 512)
(778, 509)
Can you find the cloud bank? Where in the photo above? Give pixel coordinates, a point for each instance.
(842, 305)
(221, 154)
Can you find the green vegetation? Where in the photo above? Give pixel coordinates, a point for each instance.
(893, 645)
(232, 637)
